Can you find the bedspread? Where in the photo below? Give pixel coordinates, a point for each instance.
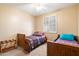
(35, 40)
(67, 42)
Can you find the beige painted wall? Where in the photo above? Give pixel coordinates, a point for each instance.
(78, 19)
(13, 21)
(66, 20)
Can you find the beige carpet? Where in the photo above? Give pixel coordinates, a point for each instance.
(39, 51)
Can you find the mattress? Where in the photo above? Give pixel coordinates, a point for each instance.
(67, 42)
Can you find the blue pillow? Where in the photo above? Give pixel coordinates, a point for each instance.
(67, 37)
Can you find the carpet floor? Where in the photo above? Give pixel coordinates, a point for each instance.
(39, 51)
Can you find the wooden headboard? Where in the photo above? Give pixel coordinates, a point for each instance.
(21, 40)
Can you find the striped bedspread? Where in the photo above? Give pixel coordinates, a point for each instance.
(35, 40)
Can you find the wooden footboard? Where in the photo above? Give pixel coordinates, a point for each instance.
(22, 42)
(55, 49)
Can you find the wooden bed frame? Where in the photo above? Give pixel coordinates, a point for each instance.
(55, 49)
(24, 43)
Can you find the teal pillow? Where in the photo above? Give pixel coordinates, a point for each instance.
(67, 37)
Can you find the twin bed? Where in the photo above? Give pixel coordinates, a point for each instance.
(29, 43)
(63, 47)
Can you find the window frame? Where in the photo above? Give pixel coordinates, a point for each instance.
(48, 18)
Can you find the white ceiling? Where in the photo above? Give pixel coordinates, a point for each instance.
(49, 7)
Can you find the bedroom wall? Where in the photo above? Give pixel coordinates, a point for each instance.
(13, 21)
(78, 20)
(66, 20)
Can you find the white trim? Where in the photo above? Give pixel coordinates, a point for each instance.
(49, 19)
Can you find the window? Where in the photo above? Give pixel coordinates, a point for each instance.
(49, 24)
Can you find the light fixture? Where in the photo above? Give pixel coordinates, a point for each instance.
(38, 6)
